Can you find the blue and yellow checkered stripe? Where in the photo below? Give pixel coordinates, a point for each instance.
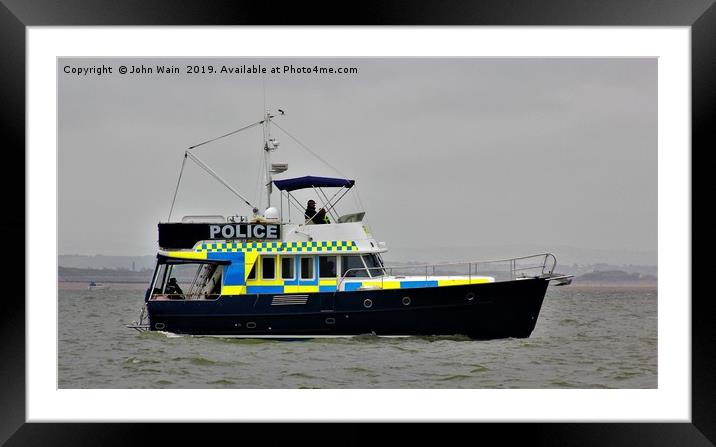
(277, 247)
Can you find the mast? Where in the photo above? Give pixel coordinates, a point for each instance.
(269, 145)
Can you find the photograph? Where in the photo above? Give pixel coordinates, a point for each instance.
(357, 222)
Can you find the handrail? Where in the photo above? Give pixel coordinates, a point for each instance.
(546, 254)
(543, 267)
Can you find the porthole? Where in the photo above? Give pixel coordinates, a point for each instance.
(406, 301)
(251, 325)
(159, 326)
(330, 321)
(470, 296)
(368, 303)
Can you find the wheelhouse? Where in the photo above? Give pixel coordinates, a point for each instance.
(201, 279)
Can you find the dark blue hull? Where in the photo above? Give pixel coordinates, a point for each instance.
(481, 311)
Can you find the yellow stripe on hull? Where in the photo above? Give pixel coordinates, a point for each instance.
(382, 284)
(266, 282)
(300, 289)
(233, 290)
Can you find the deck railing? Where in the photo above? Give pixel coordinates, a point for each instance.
(531, 266)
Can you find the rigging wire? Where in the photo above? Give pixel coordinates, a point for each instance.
(207, 169)
(226, 135)
(360, 202)
(181, 171)
(218, 177)
(309, 150)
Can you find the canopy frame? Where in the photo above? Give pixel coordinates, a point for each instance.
(329, 204)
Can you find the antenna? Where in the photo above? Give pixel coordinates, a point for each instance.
(270, 145)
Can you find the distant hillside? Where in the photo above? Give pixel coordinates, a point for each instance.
(107, 262)
(71, 274)
(615, 276)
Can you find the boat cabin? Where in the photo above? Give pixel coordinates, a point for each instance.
(204, 257)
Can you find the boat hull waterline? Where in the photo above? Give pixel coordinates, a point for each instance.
(479, 311)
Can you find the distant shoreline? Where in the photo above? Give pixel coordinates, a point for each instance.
(613, 285)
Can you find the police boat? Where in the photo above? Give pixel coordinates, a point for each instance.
(283, 273)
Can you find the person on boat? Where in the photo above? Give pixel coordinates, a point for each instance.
(313, 216)
(173, 288)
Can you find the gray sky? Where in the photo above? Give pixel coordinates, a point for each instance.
(457, 158)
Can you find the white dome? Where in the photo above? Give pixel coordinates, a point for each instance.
(271, 213)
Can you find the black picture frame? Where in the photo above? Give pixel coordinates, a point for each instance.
(16, 15)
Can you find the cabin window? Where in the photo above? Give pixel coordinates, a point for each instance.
(287, 269)
(327, 266)
(252, 273)
(187, 280)
(306, 268)
(373, 264)
(268, 267)
(350, 263)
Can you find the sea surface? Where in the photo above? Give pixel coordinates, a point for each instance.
(586, 337)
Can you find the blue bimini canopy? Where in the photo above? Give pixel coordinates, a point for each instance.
(292, 184)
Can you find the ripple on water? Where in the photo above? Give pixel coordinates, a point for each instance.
(136, 361)
(197, 360)
(569, 321)
(222, 382)
(301, 375)
(455, 377)
(356, 369)
(562, 384)
(625, 375)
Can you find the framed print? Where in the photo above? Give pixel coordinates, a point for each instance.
(584, 126)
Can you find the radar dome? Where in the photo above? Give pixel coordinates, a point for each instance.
(271, 213)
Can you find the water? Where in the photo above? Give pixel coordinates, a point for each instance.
(585, 338)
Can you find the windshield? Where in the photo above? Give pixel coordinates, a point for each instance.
(374, 265)
(353, 262)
